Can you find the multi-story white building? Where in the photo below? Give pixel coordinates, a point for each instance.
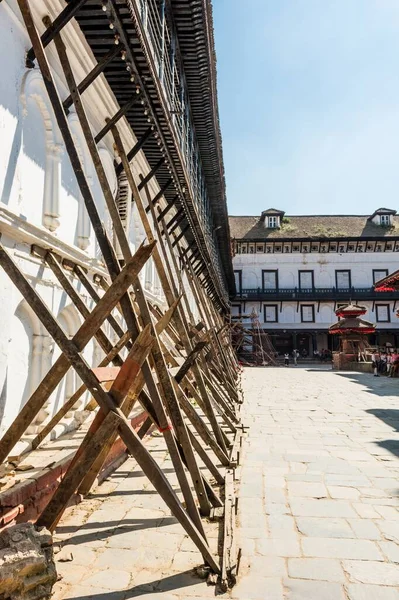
(294, 271)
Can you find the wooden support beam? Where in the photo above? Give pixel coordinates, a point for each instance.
(120, 387)
(94, 73)
(181, 234)
(158, 358)
(81, 307)
(69, 404)
(95, 156)
(151, 174)
(188, 363)
(136, 148)
(199, 424)
(228, 575)
(118, 115)
(125, 396)
(81, 338)
(63, 18)
(160, 193)
(85, 281)
(167, 208)
(110, 258)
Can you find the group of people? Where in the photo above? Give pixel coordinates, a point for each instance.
(323, 356)
(385, 362)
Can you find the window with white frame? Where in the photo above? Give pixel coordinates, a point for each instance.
(270, 313)
(382, 313)
(385, 220)
(273, 222)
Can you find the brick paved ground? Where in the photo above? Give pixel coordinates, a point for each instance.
(319, 491)
(319, 501)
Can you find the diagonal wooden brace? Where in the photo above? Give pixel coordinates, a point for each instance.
(81, 338)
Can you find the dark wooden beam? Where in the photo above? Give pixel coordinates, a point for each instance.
(181, 234)
(59, 22)
(160, 193)
(136, 148)
(165, 211)
(121, 112)
(94, 73)
(151, 174)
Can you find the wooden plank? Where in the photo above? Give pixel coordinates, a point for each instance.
(89, 450)
(131, 373)
(228, 575)
(85, 281)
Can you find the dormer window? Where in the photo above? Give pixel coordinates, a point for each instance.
(273, 222)
(382, 217)
(272, 218)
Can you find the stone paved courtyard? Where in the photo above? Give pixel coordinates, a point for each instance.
(318, 503)
(320, 489)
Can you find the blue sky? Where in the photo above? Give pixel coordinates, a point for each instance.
(309, 104)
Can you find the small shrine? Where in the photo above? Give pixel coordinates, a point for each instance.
(352, 330)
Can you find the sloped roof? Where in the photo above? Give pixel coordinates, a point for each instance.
(272, 211)
(314, 227)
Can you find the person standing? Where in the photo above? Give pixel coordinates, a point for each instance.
(374, 363)
(286, 359)
(295, 355)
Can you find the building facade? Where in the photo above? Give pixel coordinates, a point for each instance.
(173, 147)
(293, 272)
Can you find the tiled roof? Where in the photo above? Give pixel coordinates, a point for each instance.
(316, 226)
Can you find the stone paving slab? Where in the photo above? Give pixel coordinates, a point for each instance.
(319, 493)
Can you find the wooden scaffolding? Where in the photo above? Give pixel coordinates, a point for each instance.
(182, 372)
(251, 343)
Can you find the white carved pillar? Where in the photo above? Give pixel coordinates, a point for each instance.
(51, 202)
(83, 240)
(42, 348)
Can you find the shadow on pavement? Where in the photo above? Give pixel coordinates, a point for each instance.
(379, 386)
(156, 587)
(113, 528)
